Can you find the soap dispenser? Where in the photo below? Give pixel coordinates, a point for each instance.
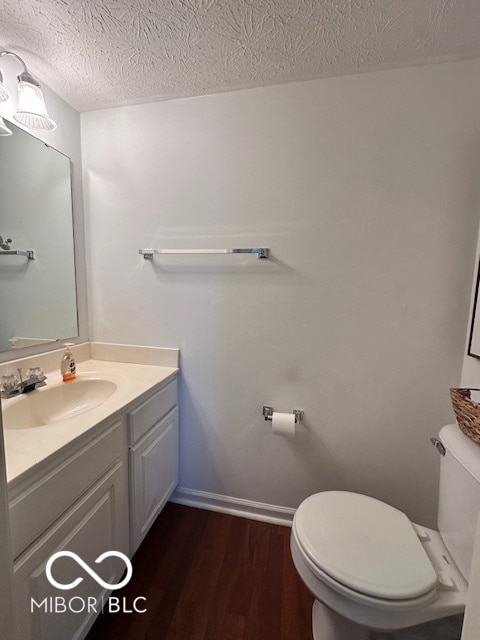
(68, 368)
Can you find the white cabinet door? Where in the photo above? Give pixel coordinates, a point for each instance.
(96, 523)
(153, 475)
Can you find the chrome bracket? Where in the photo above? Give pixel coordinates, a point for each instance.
(438, 444)
(268, 413)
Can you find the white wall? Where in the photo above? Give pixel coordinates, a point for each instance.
(366, 189)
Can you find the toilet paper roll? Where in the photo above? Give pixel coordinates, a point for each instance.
(283, 424)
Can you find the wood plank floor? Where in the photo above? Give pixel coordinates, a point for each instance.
(211, 576)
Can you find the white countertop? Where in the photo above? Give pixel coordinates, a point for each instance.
(26, 448)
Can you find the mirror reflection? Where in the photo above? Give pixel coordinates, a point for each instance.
(37, 269)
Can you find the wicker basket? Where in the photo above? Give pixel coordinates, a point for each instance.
(467, 412)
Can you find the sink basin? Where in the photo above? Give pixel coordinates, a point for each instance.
(55, 404)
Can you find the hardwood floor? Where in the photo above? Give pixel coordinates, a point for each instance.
(210, 576)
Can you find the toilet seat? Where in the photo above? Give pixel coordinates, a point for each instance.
(364, 548)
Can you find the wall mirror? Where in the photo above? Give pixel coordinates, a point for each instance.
(38, 301)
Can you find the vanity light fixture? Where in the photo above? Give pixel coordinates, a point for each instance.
(31, 112)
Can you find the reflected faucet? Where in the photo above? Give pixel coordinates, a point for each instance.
(5, 244)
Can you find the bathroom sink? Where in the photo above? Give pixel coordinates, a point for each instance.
(55, 404)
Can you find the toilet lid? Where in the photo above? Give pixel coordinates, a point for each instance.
(364, 544)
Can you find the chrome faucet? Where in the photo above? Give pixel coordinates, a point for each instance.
(12, 385)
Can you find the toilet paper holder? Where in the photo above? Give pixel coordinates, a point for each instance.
(268, 413)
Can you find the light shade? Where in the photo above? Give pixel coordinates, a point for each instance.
(32, 112)
(4, 95)
(4, 130)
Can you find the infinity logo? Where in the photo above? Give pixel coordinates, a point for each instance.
(84, 565)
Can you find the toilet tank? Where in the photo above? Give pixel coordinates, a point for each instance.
(459, 495)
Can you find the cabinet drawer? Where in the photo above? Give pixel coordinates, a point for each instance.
(45, 500)
(141, 419)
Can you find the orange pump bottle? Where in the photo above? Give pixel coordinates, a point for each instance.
(68, 368)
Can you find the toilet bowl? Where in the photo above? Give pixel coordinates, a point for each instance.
(370, 567)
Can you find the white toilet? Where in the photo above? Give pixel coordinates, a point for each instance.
(369, 567)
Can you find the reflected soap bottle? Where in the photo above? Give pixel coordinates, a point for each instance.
(68, 368)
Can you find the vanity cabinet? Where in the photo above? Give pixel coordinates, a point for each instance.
(80, 505)
(153, 459)
(102, 492)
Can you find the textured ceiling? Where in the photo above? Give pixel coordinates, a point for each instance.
(97, 53)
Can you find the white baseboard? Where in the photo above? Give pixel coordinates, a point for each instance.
(233, 506)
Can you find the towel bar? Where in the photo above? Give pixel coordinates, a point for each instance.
(261, 252)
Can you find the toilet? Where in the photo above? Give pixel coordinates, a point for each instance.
(370, 568)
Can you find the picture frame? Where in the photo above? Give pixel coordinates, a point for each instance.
(474, 338)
